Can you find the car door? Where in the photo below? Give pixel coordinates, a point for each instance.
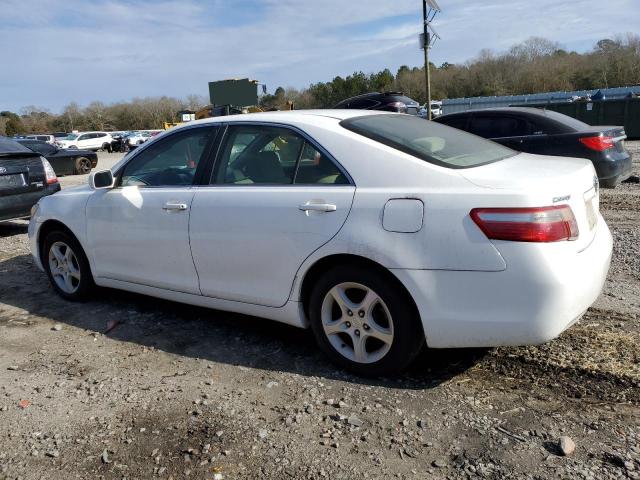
(139, 230)
(83, 141)
(274, 198)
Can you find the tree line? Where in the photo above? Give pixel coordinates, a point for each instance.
(533, 66)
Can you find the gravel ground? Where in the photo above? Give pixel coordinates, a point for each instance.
(126, 386)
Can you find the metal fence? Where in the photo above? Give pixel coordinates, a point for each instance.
(453, 105)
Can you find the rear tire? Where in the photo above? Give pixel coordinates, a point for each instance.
(83, 166)
(67, 266)
(365, 323)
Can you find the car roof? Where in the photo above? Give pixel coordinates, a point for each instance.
(291, 116)
(8, 145)
(528, 110)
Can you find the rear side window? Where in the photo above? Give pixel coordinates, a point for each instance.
(455, 122)
(429, 141)
(494, 126)
(264, 155)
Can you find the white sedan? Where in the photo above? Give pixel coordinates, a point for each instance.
(382, 232)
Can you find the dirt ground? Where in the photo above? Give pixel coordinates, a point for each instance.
(172, 391)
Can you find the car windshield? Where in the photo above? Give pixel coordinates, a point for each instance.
(71, 136)
(429, 141)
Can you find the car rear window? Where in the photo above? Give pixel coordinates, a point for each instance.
(429, 141)
(566, 120)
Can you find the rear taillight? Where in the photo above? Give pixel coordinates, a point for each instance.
(49, 173)
(599, 144)
(539, 224)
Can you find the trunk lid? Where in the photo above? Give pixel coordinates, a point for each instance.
(20, 172)
(543, 181)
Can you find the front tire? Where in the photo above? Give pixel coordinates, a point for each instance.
(67, 266)
(364, 322)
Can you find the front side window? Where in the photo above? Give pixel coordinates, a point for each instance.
(273, 156)
(170, 162)
(428, 141)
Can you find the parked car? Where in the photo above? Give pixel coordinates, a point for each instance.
(388, 102)
(449, 240)
(546, 132)
(43, 138)
(64, 162)
(25, 177)
(138, 138)
(118, 142)
(86, 141)
(436, 110)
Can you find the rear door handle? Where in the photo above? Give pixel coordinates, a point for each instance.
(318, 207)
(175, 207)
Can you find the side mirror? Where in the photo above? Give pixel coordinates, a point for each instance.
(101, 180)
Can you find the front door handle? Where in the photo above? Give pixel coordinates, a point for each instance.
(175, 207)
(318, 207)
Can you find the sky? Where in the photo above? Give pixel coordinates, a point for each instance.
(58, 51)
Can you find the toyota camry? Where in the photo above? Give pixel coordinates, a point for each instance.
(381, 232)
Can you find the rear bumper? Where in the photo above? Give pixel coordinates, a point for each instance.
(531, 302)
(19, 205)
(613, 169)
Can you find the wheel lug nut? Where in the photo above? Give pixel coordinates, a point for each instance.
(361, 313)
(348, 324)
(350, 313)
(357, 332)
(365, 326)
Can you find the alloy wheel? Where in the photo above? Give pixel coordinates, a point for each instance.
(357, 322)
(84, 166)
(64, 267)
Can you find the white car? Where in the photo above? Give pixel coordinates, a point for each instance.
(86, 141)
(43, 138)
(382, 232)
(138, 138)
(436, 109)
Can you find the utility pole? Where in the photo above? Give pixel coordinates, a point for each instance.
(429, 36)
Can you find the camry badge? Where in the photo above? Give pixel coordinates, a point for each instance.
(562, 199)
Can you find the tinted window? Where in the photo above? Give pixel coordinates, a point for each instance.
(259, 155)
(455, 122)
(316, 168)
(494, 126)
(170, 162)
(40, 147)
(429, 141)
(566, 120)
(363, 104)
(86, 136)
